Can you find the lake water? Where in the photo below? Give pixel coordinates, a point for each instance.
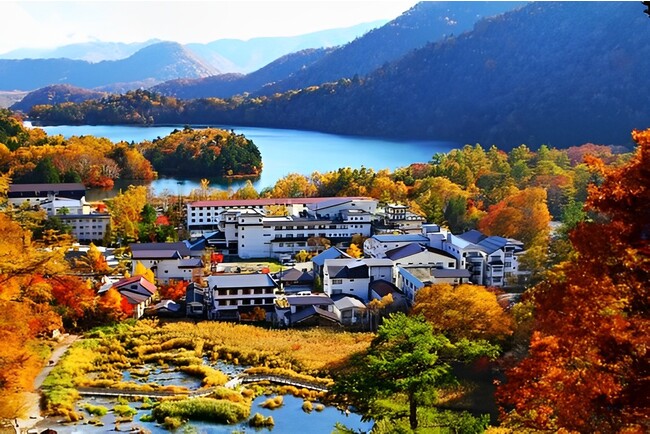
(283, 152)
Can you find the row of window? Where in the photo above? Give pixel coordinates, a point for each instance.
(246, 291)
(246, 302)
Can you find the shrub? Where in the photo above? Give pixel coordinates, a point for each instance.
(172, 423)
(307, 406)
(96, 410)
(259, 421)
(147, 418)
(319, 407)
(124, 410)
(273, 403)
(207, 409)
(210, 376)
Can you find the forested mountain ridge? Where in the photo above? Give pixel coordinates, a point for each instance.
(425, 22)
(150, 65)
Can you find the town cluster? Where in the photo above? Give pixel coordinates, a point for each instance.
(401, 254)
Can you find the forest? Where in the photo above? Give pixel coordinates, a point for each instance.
(31, 156)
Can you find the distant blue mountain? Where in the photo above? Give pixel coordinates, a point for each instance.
(153, 64)
(89, 51)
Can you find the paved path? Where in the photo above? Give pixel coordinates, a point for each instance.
(33, 399)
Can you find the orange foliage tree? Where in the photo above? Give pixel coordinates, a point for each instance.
(174, 291)
(587, 367)
(523, 216)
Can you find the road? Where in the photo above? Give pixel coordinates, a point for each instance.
(33, 412)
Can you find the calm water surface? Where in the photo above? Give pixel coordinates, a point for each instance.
(283, 152)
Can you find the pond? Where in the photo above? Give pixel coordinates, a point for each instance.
(289, 419)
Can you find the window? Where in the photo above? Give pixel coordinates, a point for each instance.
(337, 281)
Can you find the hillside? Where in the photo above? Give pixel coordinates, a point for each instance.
(226, 85)
(55, 94)
(95, 51)
(154, 63)
(425, 22)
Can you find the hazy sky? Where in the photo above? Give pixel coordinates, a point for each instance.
(41, 24)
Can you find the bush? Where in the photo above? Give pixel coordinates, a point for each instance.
(96, 410)
(273, 403)
(172, 423)
(207, 409)
(147, 418)
(124, 410)
(307, 406)
(259, 421)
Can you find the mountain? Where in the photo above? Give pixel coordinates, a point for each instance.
(425, 22)
(234, 55)
(560, 73)
(428, 21)
(152, 64)
(55, 94)
(95, 51)
(227, 85)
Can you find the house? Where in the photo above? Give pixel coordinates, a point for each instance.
(231, 294)
(377, 245)
(353, 276)
(420, 255)
(137, 291)
(398, 218)
(168, 261)
(412, 279)
(318, 261)
(165, 308)
(305, 310)
(293, 280)
(350, 310)
(195, 299)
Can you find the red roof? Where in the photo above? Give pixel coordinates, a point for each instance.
(267, 202)
(136, 279)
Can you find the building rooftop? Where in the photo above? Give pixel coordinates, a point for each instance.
(413, 249)
(265, 202)
(401, 238)
(180, 246)
(255, 280)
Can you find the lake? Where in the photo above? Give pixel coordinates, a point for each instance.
(283, 152)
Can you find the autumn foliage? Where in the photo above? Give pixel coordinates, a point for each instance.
(587, 368)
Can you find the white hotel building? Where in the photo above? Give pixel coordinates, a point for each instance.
(250, 233)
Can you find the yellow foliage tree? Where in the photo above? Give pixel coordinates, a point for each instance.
(141, 270)
(354, 251)
(464, 311)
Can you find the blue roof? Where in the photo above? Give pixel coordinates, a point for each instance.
(415, 238)
(331, 253)
(413, 249)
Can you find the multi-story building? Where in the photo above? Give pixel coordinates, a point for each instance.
(229, 295)
(354, 276)
(252, 233)
(87, 227)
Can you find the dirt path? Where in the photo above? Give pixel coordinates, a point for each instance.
(32, 399)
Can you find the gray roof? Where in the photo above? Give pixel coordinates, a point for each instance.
(295, 275)
(63, 186)
(306, 300)
(155, 254)
(190, 263)
(383, 288)
(349, 303)
(179, 246)
(461, 273)
(472, 236)
(313, 311)
(256, 280)
(413, 249)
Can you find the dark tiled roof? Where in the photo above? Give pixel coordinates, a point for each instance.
(295, 275)
(179, 246)
(306, 300)
(472, 236)
(383, 288)
(190, 263)
(346, 272)
(311, 311)
(155, 254)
